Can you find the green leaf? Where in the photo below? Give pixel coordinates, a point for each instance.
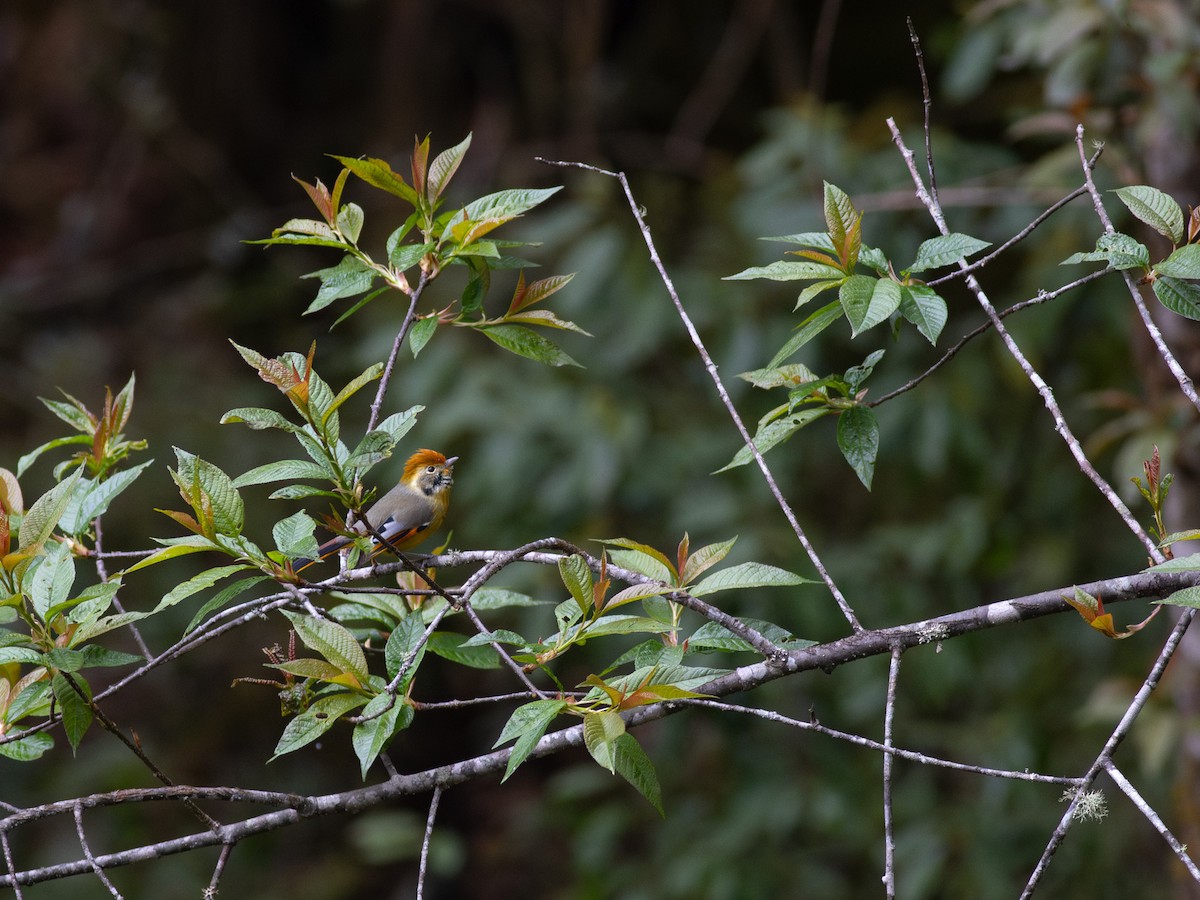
(868, 301)
(747, 575)
(315, 721)
(444, 165)
(1189, 563)
(789, 270)
(403, 642)
(226, 595)
(925, 308)
(43, 516)
(945, 250)
(642, 558)
(1181, 297)
(700, 561)
(618, 624)
(377, 173)
(405, 256)
(27, 748)
(294, 536)
(348, 278)
(332, 641)
(75, 710)
(196, 583)
(420, 333)
(858, 439)
(524, 342)
(502, 598)
(577, 577)
(818, 239)
(1119, 251)
(711, 636)
(1155, 208)
(1189, 597)
(807, 330)
(782, 376)
(770, 434)
(1183, 263)
(93, 498)
(258, 419)
(842, 220)
(50, 582)
(527, 724)
(506, 205)
(371, 736)
(631, 763)
(203, 485)
(282, 470)
(454, 648)
(350, 221)
(600, 729)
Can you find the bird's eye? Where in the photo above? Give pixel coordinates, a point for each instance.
(431, 469)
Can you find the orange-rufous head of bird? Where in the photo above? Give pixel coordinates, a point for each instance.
(429, 472)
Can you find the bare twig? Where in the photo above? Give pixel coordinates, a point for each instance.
(889, 826)
(1179, 849)
(825, 657)
(214, 883)
(414, 297)
(711, 368)
(1110, 746)
(927, 102)
(1185, 382)
(985, 327)
(425, 842)
(87, 853)
(1014, 350)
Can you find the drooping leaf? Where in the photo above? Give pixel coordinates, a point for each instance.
(868, 301)
(1181, 297)
(1156, 209)
(334, 642)
(944, 250)
(747, 575)
(925, 308)
(858, 439)
(524, 342)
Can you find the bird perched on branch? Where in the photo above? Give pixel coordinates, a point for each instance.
(406, 514)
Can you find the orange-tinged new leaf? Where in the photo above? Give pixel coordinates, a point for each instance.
(420, 165)
(320, 196)
(536, 292)
(614, 696)
(1092, 610)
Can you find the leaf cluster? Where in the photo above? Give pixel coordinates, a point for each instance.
(833, 260)
(430, 240)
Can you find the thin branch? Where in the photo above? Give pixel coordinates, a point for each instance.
(214, 883)
(826, 657)
(425, 842)
(1042, 297)
(860, 741)
(1014, 350)
(889, 826)
(102, 572)
(1179, 849)
(377, 403)
(135, 747)
(711, 368)
(8, 861)
(1185, 382)
(87, 853)
(1110, 746)
(927, 103)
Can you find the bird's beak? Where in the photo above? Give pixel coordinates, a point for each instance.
(451, 461)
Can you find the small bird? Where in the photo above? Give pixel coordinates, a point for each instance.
(406, 514)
